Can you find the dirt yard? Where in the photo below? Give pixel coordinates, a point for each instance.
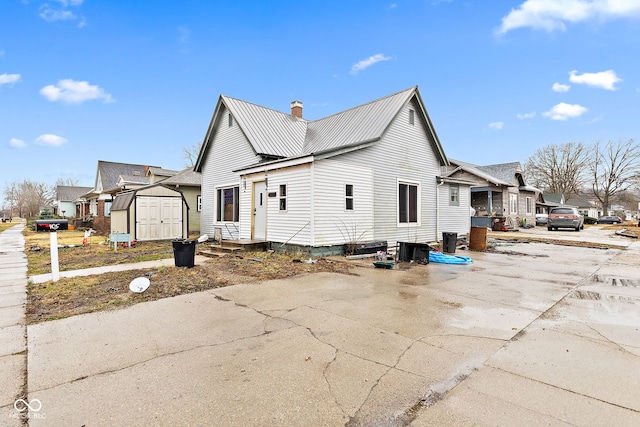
(72, 296)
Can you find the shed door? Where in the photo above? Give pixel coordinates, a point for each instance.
(147, 218)
(171, 217)
(158, 218)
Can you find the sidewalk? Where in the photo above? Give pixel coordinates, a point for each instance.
(13, 329)
(41, 278)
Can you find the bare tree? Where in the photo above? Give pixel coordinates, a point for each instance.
(27, 197)
(614, 167)
(558, 169)
(191, 154)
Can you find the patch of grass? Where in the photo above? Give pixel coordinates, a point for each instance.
(95, 254)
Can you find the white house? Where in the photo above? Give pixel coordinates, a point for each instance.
(370, 173)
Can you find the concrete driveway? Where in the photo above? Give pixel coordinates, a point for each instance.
(541, 335)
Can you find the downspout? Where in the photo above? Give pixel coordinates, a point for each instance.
(438, 207)
(313, 204)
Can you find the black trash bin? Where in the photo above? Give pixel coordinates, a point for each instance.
(184, 252)
(449, 241)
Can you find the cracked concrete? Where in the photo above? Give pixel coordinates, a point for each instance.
(504, 341)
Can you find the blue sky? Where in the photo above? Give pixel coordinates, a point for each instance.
(136, 81)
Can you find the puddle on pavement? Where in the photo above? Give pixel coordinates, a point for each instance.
(617, 281)
(598, 296)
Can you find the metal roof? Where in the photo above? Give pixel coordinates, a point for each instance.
(283, 135)
(122, 201)
(360, 124)
(270, 132)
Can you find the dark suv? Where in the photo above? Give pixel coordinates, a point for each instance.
(565, 217)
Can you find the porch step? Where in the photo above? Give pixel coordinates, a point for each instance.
(228, 246)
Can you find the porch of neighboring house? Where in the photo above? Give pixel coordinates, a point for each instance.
(218, 247)
(488, 207)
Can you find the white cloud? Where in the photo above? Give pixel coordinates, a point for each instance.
(565, 111)
(6, 79)
(366, 63)
(74, 92)
(558, 87)
(496, 125)
(603, 79)
(61, 12)
(17, 143)
(551, 15)
(530, 115)
(51, 140)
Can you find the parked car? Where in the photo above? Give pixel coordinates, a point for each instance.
(565, 217)
(609, 219)
(541, 219)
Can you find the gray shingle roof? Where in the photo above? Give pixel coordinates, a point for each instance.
(109, 172)
(161, 172)
(504, 171)
(479, 172)
(66, 193)
(185, 177)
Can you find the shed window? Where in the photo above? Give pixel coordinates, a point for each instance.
(454, 195)
(412, 117)
(408, 203)
(283, 197)
(348, 192)
(228, 204)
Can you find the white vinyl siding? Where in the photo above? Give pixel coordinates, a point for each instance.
(333, 224)
(403, 153)
(228, 151)
(455, 219)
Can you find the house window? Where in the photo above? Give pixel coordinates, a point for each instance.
(230, 120)
(228, 204)
(529, 205)
(283, 197)
(408, 203)
(513, 204)
(348, 193)
(198, 203)
(107, 208)
(412, 117)
(454, 195)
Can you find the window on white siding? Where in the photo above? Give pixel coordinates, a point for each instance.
(513, 204)
(228, 204)
(198, 203)
(529, 205)
(454, 195)
(283, 197)
(348, 193)
(408, 203)
(230, 120)
(412, 117)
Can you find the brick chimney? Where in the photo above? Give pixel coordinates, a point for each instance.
(296, 109)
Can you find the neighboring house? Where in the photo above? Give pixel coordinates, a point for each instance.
(95, 205)
(64, 204)
(156, 174)
(550, 200)
(586, 205)
(370, 173)
(150, 212)
(498, 191)
(189, 182)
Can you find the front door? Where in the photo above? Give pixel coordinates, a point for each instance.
(259, 231)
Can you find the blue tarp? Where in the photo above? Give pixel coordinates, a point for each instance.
(449, 259)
